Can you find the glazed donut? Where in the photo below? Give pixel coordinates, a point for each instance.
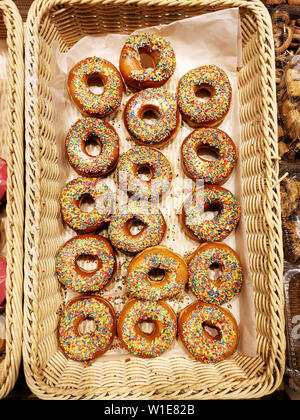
(3, 268)
(105, 136)
(72, 197)
(137, 158)
(151, 234)
(213, 80)
(141, 343)
(131, 67)
(204, 199)
(211, 139)
(138, 280)
(89, 103)
(229, 282)
(199, 342)
(84, 347)
(160, 103)
(95, 247)
(3, 179)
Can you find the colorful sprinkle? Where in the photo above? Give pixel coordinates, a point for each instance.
(228, 284)
(212, 79)
(140, 157)
(212, 172)
(81, 132)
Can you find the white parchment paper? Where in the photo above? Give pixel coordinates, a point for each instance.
(208, 39)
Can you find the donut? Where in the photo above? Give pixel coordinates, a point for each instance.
(72, 197)
(84, 130)
(215, 82)
(99, 70)
(3, 180)
(175, 274)
(213, 140)
(131, 66)
(73, 276)
(210, 197)
(193, 330)
(163, 106)
(84, 347)
(139, 158)
(123, 220)
(3, 268)
(144, 344)
(229, 282)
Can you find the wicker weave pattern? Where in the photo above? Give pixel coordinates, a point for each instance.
(48, 373)
(9, 366)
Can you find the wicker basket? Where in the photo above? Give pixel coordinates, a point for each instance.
(48, 373)
(12, 124)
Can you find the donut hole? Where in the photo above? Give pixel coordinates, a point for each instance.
(87, 263)
(214, 271)
(146, 327)
(150, 115)
(144, 172)
(211, 331)
(207, 153)
(86, 327)
(146, 60)
(95, 84)
(156, 274)
(92, 146)
(135, 226)
(86, 203)
(210, 212)
(204, 93)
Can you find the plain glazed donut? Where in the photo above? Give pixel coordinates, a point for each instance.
(166, 125)
(141, 286)
(151, 234)
(89, 103)
(86, 347)
(3, 180)
(131, 67)
(211, 139)
(104, 134)
(137, 158)
(141, 343)
(229, 282)
(71, 199)
(213, 80)
(204, 199)
(73, 276)
(193, 324)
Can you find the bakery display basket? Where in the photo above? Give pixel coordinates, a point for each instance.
(12, 218)
(48, 373)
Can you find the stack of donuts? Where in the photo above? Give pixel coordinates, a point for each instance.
(208, 331)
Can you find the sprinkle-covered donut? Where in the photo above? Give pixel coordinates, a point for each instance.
(139, 158)
(211, 139)
(161, 104)
(229, 282)
(128, 215)
(193, 329)
(210, 197)
(141, 286)
(75, 277)
(3, 180)
(144, 344)
(71, 200)
(98, 70)
(80, 133)
(132, 69)
(80, 346)
(215, 82)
